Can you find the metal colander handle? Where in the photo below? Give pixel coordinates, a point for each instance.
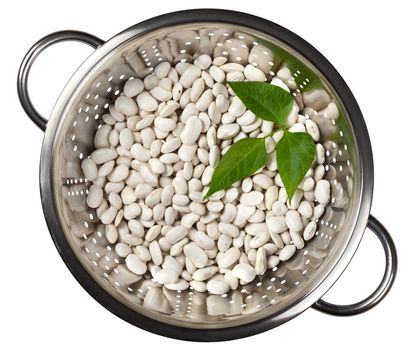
(32, 54)
(385, 285)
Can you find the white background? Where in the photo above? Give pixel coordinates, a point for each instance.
(41, 304)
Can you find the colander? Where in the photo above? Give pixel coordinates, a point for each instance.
(282, 292)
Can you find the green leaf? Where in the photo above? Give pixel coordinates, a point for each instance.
(294, 155)
(244, 158)
(267, 101)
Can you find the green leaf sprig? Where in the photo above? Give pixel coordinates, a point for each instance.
(294, 152)
(242, 159)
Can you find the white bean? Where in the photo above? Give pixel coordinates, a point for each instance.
(115, 200)
(263, 181)
(95, 196)
(293, 221)
(161, 71)
(217, 287)
(247, 118)
(244, 272)
(147, 102)
(191, 131)
(237, 108)
(203, 61)
(156, 166)
(119, 173)
(310, 230)
(270, 197)
(179, 285)
(320, 154)
(243, 213)
(305, 209)
(229, 213)
(204, 273)
(136, 227)
(224, 242)
(251, 198)
(253, 73)
(297, 239)
(280, 83)
(189, 76)
(169, 158)
(165, 124)
(287, 252)
(170, 215)
(126, 105)
(261, 261)
(188, 220)
(135, 264)
(166, 276)
(145, 122)
(202, 240)
(123, 250)
(169, 109)
(222, 103)
(197, 89)
(133, 87)
(155, 251)
(217, 74)
(205, 100)
(143, 253)
(103, 155)
(108, 216)
(131, 211)
(316, 98)
(172, 263)
(214, 206)
(111, 233)
(89, 168)
(180, 200)
(259, 240)
(153, 198)
(312, 129)
(228, 131)
(229, 257)
(196, 255)
(322, 191)
(142, 190)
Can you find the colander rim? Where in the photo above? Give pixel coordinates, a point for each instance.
(47, 169)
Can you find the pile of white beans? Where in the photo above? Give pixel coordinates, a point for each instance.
(154, 157)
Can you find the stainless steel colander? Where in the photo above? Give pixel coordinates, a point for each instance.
(284, 291)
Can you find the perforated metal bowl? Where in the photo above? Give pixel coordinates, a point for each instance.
(282, 292)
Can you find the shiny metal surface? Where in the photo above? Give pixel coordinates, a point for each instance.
(280, 294)
(34, 52)
(386, 283)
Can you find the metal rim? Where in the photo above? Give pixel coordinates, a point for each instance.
(390, 272)
(364, 197)
(29, 59)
